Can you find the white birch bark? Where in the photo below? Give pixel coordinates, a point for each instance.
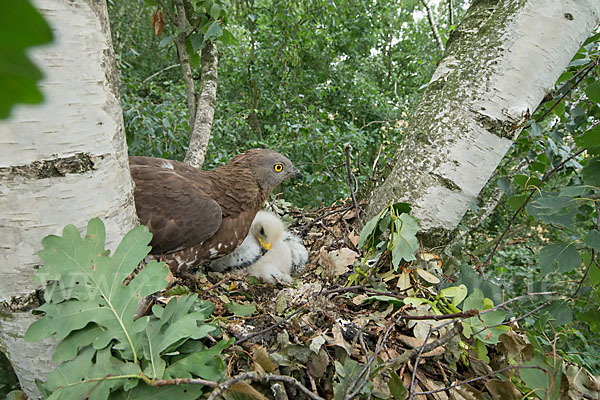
(498, 65)
(62, 162)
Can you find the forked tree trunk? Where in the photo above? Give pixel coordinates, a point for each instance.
(499, 64)
(63, 162)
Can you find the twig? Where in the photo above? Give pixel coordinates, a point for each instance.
(455, 385)
(465, 314)
(376, 161)
(214, 286)
(587, 270)
(182, 381)
(414, 373)
(250, 336)
(350, 182)
(353, 288)
(314, 221)
(412, 353)
(434, 30)
(160, 72)
(533, 191)
(514, 320)
(267, 378)
(587, 70)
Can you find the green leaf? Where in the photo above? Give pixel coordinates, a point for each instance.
(593, 91)
(386, 299)
(202, 363)
(242, 310)
(505, 186)
(173, 323)
(21, 27)
(591, 172)
(166, 40)
(84, 377)
(457, 293)
(227, 38)
(561, 255)
(591, 138)
(553, 209)
(82, 263)
(592, 239)
(397, 388)
(214, 31)
(369, 229)
(215, 11)
(405, 240)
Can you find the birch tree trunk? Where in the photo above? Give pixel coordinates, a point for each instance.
(64, 162)
(498, 66)
(205, 108)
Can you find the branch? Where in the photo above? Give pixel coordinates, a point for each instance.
(436, 34)
(522, 207)
(205, 110)
(455, 385)
(250, 336)
(350, 182)
(184, 62)
(267, 378)
(160, 72)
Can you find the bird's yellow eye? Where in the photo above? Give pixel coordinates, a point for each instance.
(278, 167)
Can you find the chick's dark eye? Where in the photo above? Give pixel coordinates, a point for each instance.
(262, 231)
(278, 167)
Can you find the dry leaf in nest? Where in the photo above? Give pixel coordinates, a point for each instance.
(337, 262)
(158, 22)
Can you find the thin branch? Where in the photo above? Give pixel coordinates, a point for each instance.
(493, 373)
(350, 182)
(587, 271)
(427, 347)
(414, 374)
(267, 378)
(184, 61)
(431, 20)
(587, 69)
(522, 207)
(283, 321)
(450, 13)
(160, 72)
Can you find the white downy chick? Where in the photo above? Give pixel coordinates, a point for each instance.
(284, 252)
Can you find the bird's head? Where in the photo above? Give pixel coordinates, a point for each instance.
(267, 229)
(269, 167)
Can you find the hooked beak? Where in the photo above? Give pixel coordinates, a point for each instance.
(266, 246)
(296, 173)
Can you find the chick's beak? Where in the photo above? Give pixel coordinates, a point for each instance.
(266, 246)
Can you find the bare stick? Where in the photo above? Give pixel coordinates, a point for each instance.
(267, 378)
(283, 321)
(350, 182)
(160, 72)
(414, 374)
(493, 373)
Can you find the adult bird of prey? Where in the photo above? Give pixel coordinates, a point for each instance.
(269, 252)
(197, 216)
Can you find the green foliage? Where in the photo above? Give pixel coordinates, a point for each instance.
(393, 230)
(303, 78)
(21, 27)
(104, 351)
(560, 152)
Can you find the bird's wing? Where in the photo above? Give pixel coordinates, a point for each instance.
(177, 212)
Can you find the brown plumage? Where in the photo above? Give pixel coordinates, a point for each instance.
(196, 216)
